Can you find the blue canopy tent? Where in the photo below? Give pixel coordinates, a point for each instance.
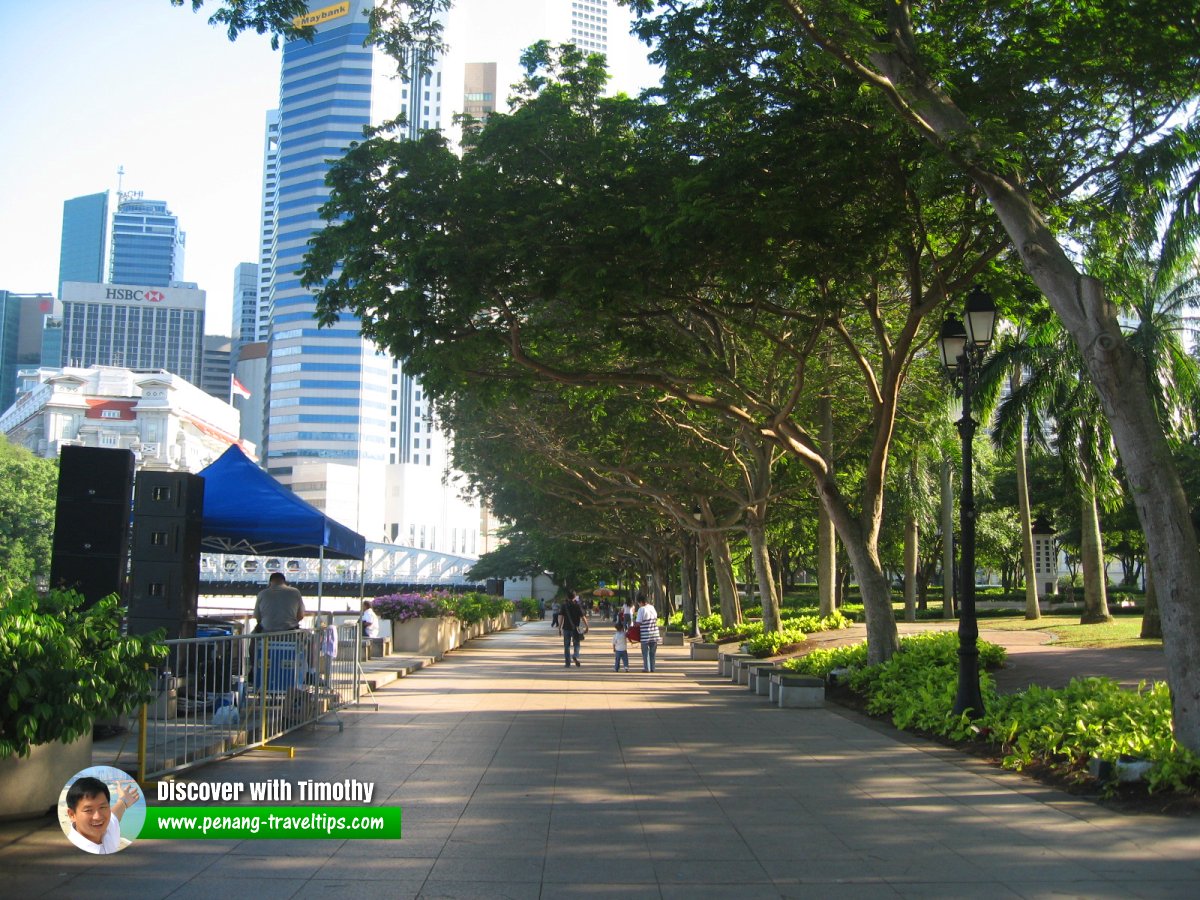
(246, 511)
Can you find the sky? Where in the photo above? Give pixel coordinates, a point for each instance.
(96, 85)
(93, 85)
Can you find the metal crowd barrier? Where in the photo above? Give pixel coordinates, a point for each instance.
(223, 695)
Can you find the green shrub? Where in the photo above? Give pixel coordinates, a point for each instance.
(62, 667)
(1093, 718)
(793, 631)
(1089, 718)
(530, 609)
(824, 660)
(474, 607)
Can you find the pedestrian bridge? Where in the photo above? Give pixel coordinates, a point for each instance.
(386, 567)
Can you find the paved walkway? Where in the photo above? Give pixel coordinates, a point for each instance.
(521, 779)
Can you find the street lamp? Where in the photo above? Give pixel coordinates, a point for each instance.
(698, 515)
(963, 348)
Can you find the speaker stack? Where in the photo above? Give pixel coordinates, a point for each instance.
(91, 521)
(164, 580)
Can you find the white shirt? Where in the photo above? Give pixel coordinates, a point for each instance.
(370, 623)
(111, 842)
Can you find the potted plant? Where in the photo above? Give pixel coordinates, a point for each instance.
(62, 667)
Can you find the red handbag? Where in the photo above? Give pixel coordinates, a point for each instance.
(634, 633)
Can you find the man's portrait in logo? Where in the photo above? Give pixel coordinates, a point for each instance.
(101, 810)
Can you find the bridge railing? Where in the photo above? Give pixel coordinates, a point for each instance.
(384, 563)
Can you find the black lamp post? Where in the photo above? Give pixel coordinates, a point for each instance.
(696, 558)
(962, 350)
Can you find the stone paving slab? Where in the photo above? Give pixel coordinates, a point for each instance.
(519, 778)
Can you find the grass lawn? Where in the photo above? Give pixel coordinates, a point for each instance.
(1123, 632)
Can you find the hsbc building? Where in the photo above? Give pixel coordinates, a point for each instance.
(134, 327)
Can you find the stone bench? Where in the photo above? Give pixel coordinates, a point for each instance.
(672, 638)
(759, 679)
(742, 668)
(725, 662)
(706, 652)
(796, 691)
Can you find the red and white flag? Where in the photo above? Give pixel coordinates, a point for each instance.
(237, 388)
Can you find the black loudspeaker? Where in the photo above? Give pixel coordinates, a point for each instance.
(164, 579)
(91, 521)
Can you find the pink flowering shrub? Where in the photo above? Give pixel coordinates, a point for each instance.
(402, 607)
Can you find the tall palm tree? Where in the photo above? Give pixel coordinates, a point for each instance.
(1061, 410)
(1006, 369)
(1157, 297)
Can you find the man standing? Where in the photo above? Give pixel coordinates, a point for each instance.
(370, 620)
(279, 607)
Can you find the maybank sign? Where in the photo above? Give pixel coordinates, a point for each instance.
(321, 16)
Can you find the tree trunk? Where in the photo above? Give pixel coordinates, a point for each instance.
(882, 636)
(687, 580)
(1032, 609)
(702, 595)
(1151, 623)
(757, 534)
(1091, 551)
(731, 604)
(947, 541)
(911, 544)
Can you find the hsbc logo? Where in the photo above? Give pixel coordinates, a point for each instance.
(149, 295)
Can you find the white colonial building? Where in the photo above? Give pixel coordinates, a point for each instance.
(166, 421)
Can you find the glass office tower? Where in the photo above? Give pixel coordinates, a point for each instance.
(147, 245)
(84, 228)
(327, 387)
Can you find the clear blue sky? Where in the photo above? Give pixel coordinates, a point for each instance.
(90, 85)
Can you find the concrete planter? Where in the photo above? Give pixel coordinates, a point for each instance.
(423, 637)
(453, 633)
(30, 786)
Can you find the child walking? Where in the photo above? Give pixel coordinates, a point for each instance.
(620, 649)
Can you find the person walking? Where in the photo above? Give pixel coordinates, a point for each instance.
(620, 649)
(573, 624)
(625, 615)
(647, 620)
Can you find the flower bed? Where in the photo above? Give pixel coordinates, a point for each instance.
(1091, 718)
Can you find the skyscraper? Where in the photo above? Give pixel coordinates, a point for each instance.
(266, 250)
(134, 327)
(339, 411)
(217, 366)
(245, 307)
(327, 388)
(21, 320)
(84, 228)
(147, 245)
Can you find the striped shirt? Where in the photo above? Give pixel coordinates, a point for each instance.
(647, 619)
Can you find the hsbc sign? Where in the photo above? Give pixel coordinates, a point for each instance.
(149, 295)
(173, 297)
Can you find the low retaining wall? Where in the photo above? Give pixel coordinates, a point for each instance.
(436, 637)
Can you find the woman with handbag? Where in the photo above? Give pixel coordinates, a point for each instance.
(574, 626)
(647, 622)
